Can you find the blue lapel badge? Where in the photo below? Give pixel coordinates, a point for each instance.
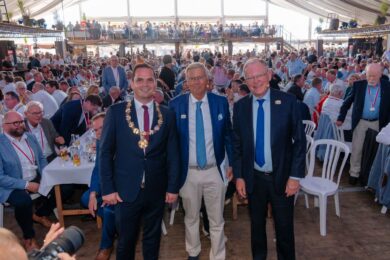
(220, 117)
(183, 116)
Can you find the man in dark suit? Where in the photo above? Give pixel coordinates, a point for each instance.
(139, 165)
(114, 96)
(167, 74)
(74, 116)
(269, 148)
(297, 87)
(371, 109)
(203, 122)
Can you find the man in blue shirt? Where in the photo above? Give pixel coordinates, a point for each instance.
(294, 65)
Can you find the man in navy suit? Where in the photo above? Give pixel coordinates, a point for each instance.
(371, 109)
(114, 75)
(269, 147)
(74, 116)
(203, 122)
(139, 165)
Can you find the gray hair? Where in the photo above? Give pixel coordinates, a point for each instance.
(336, 90)
(20, 84)
(197, 65)
(32, 104)
(253, 61)
(39, 85)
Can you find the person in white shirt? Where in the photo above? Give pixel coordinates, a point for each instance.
(52, 88)
(12, 102)
(384, 135)
(333, 103)
(9, 84)
(49, 103)
(331, 77)
(45, 60)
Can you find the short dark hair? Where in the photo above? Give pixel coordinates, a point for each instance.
(94, 100)
(53, 84)
(297, 77)
(12, 95)
(316, 81)
(142, 66)
(244, 88)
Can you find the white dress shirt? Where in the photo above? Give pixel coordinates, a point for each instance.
(208, 131)
(26, 158)
(116, 75)
(41, 138)
(59, 96)
(49, 103)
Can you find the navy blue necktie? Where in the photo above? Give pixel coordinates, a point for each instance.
(200, 139)
(259, 157)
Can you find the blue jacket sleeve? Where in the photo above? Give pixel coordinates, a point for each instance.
(95, 183)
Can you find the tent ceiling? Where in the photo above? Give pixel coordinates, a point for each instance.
(365, 11)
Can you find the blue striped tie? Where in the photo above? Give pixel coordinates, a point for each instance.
(200, 140)
(260, 158)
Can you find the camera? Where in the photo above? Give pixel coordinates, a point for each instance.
(68, 242)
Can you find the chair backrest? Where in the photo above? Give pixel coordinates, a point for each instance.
(309, 144)
(338, 133)
(309, 127)
(333, 150)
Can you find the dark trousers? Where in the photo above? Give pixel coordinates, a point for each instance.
(148, 208)
(283, 214)
(21, 201)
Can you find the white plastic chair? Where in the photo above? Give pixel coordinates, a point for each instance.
(338, 132)
(33, 197)
(327, 184)
(310, 126)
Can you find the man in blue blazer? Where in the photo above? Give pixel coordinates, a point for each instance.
(269, 147)
(203, 122)
(371, 109)
(74, 116)
(139, 165)
(114, 75)
(92, 199)
(20, 154)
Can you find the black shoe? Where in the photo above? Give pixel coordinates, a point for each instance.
(352, 180)
(193, 257)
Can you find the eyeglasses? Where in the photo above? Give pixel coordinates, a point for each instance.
(195, 78)
(255, 77)
(15, 123)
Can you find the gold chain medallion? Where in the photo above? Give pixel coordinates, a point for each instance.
(143, 142)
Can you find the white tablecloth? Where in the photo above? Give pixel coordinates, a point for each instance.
(59, 172)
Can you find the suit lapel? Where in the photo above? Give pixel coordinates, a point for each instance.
(274, 118)
(213, 114)
(249, 107)
(154, 123)
(13, 154)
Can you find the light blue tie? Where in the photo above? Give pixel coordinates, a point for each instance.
(260, 158)
(200, 141)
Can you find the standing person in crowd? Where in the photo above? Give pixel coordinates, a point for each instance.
(166, 74)
(371, 109)
(92, 199)
(114, 75)
(74, 116)
(139, 165)
(295, 65)
(29, 78)
(297, 89)
(268, 162)
(203, 122)
(49, 103)
(42, 129)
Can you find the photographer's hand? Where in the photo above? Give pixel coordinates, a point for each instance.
(54, 232)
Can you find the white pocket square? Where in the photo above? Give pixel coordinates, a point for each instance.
(183, 116)
(220, 117)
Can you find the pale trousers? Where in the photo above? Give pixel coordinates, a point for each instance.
(209, 184)
(359, 133)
